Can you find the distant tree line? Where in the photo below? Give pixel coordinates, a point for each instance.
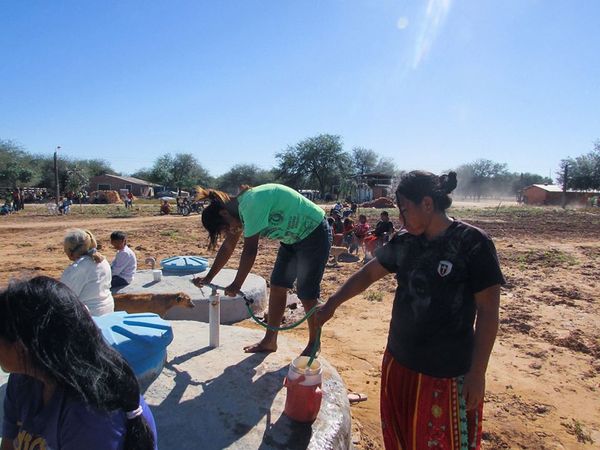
(485, 178)
(19, 168)
(318, 163)
(583, 172)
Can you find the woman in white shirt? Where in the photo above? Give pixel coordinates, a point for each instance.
(89, 275)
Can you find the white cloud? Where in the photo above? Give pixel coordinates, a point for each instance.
(435, 16)
(402, 23)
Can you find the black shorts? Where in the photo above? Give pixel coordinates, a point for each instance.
(304, 261)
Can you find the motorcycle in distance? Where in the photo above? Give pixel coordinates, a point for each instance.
(194, 207)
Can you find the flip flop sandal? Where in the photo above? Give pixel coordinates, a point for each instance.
(356, 397)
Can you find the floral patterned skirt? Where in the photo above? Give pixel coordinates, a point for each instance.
(419, 412)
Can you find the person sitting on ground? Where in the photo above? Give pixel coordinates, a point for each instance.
(165, 207)
(67, 388)
(444, 319)
(6, 209)
(276, 212)
(89, 274)
(383, 229)
(124, 265)
(63, 205)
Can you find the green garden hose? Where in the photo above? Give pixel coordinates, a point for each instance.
(248, 301)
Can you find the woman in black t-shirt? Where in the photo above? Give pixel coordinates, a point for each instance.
(444, 319)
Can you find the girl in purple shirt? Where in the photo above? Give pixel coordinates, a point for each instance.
(67, 388)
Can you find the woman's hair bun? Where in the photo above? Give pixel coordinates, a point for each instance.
(448, 182)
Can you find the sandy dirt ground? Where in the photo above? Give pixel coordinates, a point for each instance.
(543, 383)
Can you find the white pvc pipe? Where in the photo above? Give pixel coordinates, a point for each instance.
(214, 318)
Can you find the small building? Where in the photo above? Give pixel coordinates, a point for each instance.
(370, 186)
(551, 194)
(311, 194)
(107, 182)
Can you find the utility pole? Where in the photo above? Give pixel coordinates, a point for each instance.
(56, 174)
(564, 186)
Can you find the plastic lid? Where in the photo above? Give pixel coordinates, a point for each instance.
(137, 337)
(187, 264)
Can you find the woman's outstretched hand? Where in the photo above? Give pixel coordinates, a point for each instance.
(324, 313)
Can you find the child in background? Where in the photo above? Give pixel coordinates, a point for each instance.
(360, 232)
(125, 263)
(330, 222)
(348, 231)
(337, 227)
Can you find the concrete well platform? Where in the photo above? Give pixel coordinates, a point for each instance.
(233, 309)
(223, 398)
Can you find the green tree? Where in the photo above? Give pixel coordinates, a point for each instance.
(14, 174)
(479, 177)
(240, 174)
(363, 160)
(181, 171)
(583, 171)
(15, 167)
(318, 161)
(143, 174)
(385, 165)
(94, 167)
(77, 178)
(45, 172)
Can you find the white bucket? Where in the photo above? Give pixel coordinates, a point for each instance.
(312, 374)
(157, 275)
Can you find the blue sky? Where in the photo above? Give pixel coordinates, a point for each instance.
(430, 83)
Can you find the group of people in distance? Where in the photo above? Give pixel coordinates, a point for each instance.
(361, 235)
(442, 329)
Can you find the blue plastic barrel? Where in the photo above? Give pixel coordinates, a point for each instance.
(141, 339)
(184, 264)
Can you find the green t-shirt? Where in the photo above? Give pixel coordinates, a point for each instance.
(278, 212)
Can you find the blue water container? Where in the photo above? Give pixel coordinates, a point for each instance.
(184, 264)
(141, 339)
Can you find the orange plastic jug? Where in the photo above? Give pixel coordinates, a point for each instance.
(304, 394)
